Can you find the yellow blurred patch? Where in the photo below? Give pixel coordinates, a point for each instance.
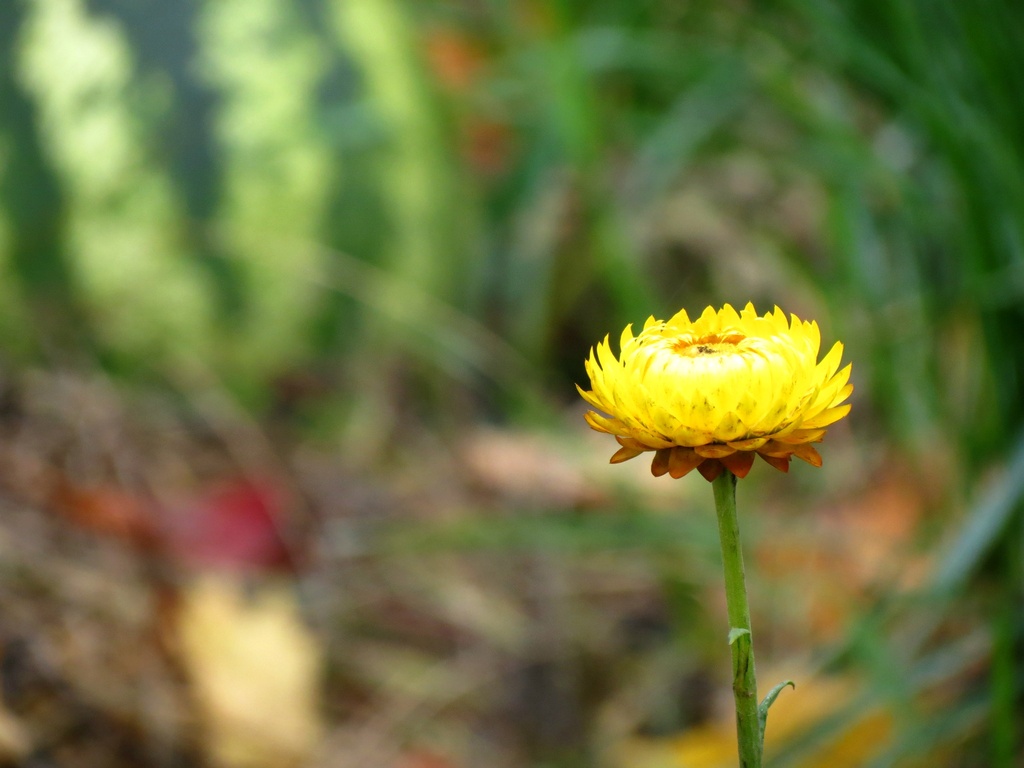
(255, 669)
(794, 714)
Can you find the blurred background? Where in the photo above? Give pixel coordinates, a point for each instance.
(294, 297)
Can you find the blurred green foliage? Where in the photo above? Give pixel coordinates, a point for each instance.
(196, 186)
(434, 205)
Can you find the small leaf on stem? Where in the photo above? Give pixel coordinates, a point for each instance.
(736, 633)
(773, 694)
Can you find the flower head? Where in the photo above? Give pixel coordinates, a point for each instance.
(709, 393)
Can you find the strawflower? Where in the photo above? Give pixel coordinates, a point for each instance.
(711, 393)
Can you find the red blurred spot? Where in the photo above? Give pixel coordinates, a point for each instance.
(236, 526)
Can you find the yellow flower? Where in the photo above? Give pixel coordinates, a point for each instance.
(708, 394)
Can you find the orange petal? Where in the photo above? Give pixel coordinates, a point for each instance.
(659, 466)
(714, 450)
(631, 442)
(738, 463)
(779, 462)
(682, 460)
(710, 468)
(777, 449)
(624, 453)
(808, 453)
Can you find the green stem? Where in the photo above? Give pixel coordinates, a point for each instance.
(744, 681)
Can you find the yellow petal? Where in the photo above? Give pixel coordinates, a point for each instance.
(829, 416)
(802, 436)
(601, 424)
(730, 428)
(680, 319)
(751, 444)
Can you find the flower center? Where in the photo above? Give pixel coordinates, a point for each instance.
(709, 344)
